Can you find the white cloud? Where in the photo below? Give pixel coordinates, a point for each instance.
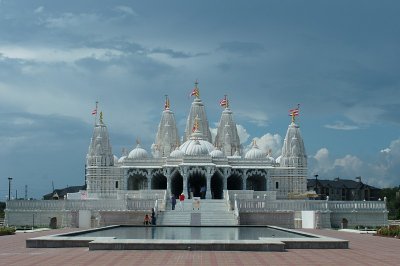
(364, 114)
(340, 125)
(268, 142)
(70, 20)
(350, 164)
(323, 161)
(383, 171)
(39, 10)
(52, 55)
(256, 117)
(243, 135)
(126, 9)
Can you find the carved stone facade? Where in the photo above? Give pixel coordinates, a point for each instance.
(197, 163)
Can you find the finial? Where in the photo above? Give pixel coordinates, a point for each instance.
(195, 91)
(224, 102)
(101, 117)
(166, 105)
(294, 112)
(137, 141)
(94, 112)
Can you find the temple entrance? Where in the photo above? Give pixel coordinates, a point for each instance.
(195, 182)
(159, 182)
(234, 182)
(137, 182)
(53, 223)
(176, 184)
(256, 183)
(344, 224)
(217, 186)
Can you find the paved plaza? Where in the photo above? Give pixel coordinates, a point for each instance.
(364, 250)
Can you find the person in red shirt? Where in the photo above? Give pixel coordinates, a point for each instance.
(181, 200)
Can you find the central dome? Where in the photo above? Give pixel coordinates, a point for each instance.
(196, 147)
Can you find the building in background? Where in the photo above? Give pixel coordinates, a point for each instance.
(343, 189)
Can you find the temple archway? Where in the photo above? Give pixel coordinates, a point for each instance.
(256, 183)
(176, 184)
(234, 182)
(137, 182)
(195, 181)
(217, 186)
(159, 181)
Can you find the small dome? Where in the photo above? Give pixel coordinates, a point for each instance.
(196, 148)
(122, 159)
(254, 153)
(278, 160)
(177, 153)
(138, 153)
(217, 153)
(115, 158)
(270, 158)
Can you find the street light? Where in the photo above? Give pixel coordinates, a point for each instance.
(9, 188)
(316, 180)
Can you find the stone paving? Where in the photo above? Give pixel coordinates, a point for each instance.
(364, 250)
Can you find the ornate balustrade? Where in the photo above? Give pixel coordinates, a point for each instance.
(256, 205)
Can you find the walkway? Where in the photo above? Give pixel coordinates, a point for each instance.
(364, 250)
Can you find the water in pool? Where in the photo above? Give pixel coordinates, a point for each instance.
(193, 233)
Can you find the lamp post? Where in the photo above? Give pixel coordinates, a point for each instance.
(316, 180)
(9, 188)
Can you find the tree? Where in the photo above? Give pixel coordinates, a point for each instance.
(393, 201)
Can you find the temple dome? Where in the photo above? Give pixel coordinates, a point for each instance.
(254, 153)
(217, 153)
(196, 147)
(138, 153)
(177, 153)
(122, 159)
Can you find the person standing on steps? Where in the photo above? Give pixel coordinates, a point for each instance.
(181, 200)
(153, 217)
(173, 201)
(203, 192)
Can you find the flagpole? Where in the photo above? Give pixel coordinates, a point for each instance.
(95, 118)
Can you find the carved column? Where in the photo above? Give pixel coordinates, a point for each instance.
(244, 180)
(185, 175)
(167, 174)
(149, 177)
(209, 173)
(225, 178)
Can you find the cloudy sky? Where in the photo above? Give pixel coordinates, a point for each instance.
(338, 59)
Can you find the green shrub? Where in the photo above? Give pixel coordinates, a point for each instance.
(7, 231)
(392, 230)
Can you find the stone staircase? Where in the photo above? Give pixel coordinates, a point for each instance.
(211, 212)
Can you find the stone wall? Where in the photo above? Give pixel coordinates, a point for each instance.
(354, 219)
(277, 218)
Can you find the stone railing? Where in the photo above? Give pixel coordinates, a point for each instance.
(255, 205)
(357, 205)
(251, 194)
(29, 205)
(71, 205)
